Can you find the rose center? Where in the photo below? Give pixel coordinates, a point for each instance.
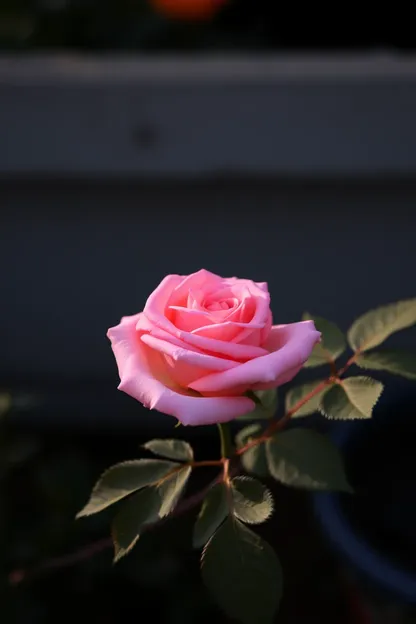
(222, 304)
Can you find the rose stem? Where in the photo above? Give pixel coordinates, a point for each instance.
(226, 440)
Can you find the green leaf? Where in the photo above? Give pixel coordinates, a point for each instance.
(303, 458)
(213, 512)
(247, 433)
(391, 360)
(298, 393)
(171, 489)
(371, 329)
(354, 398)
(266, 405)
(123, 479)
(253, 502)
(141, 509)
(254, 460)
(332, 344)
(242, 573)
(173, 449)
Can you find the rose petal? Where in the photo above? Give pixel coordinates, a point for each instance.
(205, 311)
(204, 280)
(263, 286)
(178, 354)
(175, 289)
(261, 316)
(195, 298)
(138, 380)
(227, 349)
(288, 376)
(265, 332)
(156, 304)
(297, 341)
(234, 350)
(227, 331)
(186, 366)
(236, 281)
(189, 319)
(144, 326)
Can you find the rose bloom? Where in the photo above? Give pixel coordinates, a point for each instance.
(203, 341)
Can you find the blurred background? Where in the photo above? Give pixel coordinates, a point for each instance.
(146, 137)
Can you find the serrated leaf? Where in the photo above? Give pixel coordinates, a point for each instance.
(303, 458)
(332, 344)
(374, 327)
(252, 501)
(298, 393)
(266, 405)
(171, 489)
(352, 399)
(213, 512)
(391, 360)
(243, 573)
(141, 509)
(254, 460)
(123, 479)
(172, 449)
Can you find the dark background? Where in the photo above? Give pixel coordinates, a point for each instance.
(243, 25)
(266, 144)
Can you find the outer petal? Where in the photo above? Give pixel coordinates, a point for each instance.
(296, 343)
(228, 331)
(156, 304)
(137, 376)
(209, 362)
(192, 342)
(228, 349)
(184, 365)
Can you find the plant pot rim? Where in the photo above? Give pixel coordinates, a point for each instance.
(353, 546)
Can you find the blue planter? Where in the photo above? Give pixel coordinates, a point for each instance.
(374, 566)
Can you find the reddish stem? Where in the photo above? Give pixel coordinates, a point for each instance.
(17, 576)
(279, 424)
(211, 462)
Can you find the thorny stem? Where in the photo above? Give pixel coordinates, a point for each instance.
(227, 450)
(349, 363)
(226, 472)
(279, 424)
(86, 552)
(227, 454)
(211, 462)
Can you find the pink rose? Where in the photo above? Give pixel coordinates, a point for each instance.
(201, 342)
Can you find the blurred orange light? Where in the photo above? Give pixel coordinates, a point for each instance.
(188, 9)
